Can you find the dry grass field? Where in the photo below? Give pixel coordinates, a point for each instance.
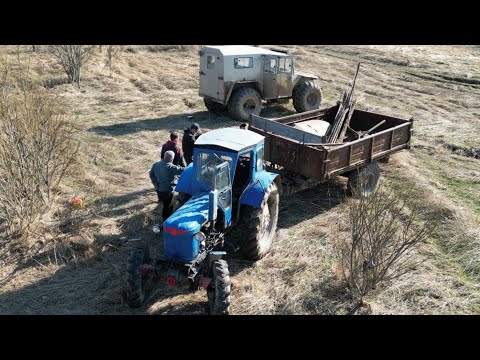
(79, 266)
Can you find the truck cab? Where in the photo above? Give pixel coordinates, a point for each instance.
(239, 77)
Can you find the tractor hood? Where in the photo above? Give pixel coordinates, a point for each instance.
(189, 218)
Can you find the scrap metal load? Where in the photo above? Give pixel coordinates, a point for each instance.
(334, 141)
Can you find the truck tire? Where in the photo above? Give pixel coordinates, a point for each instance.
(135, 293)
(244, 101)
(364, 181)
(307, 96)
(258, 226)
(214, 107)
(218, 292)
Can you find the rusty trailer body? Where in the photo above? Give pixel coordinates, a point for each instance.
(306, 154)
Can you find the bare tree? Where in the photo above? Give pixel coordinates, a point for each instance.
(113, 53)
(37, 146)
(384, 233)
(72, 57)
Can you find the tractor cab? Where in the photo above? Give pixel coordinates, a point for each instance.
(226, 165)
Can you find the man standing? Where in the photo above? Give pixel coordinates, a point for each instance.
(172, 145)
(189, 136)
(162, 175)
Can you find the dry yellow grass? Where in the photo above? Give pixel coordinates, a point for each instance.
(126, 118)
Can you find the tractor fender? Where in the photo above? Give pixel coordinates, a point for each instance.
(185, 183)
(255, 192)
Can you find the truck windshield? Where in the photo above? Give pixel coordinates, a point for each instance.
(207, 163)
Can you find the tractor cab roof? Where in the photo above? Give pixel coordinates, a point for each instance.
(229, 138)
(239, 50)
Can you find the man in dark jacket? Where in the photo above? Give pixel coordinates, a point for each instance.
(189, 136)
(162, 175)
(172, 145)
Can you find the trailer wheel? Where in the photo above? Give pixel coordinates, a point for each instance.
(244, 101)
(364, 181)
(307, 96)
(135, 293)
(214, 107)
(258, 226)
(218, 292)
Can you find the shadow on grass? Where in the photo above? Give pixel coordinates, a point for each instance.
(205, 119)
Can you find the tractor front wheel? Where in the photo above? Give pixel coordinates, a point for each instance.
(135, 293)
(218, 292)
(258, 226)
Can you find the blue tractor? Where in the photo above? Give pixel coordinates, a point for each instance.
(226, 188)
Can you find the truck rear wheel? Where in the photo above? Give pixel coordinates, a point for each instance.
(214, 107)
(244, 101)
(307, 96)
(258, 226)
(218, 292)
(135, 293)
(364, 181)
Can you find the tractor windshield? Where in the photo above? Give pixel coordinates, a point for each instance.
(207, 163)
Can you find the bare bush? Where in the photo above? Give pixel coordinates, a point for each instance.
(384, 233)
(37, 146)
(72, 57)
(113, 53)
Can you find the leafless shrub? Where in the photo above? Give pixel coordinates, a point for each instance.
(384, 233)
(72, 57)
(113, 52)
(37, 146)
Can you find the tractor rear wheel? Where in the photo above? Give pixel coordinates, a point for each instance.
(258, 226)
(135, 293)
(214, 107)
(307, 96)
(218, 292)
(364, 181)
(244, 101)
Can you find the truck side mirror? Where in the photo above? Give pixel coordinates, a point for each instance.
(212, 205)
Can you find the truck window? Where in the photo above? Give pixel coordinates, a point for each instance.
(210, 62)
(270, 66)
(243, 63)
(285, 65)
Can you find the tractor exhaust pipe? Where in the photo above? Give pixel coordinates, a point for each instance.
(212, 207)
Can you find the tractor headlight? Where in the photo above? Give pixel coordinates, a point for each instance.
(199, 236)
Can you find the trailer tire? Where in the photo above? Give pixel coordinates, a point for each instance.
(307, 96)
(364, 181)
(135, 292)
(214, 107)
(218, 292)
(244, 101)
(258, 226)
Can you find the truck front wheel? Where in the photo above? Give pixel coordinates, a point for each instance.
(244, 101)
(258, 226)
(307, 96)
(364, 181)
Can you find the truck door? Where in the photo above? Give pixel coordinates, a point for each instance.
(270, 65)
(209, 72)
(284, 77)
(223, 184)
